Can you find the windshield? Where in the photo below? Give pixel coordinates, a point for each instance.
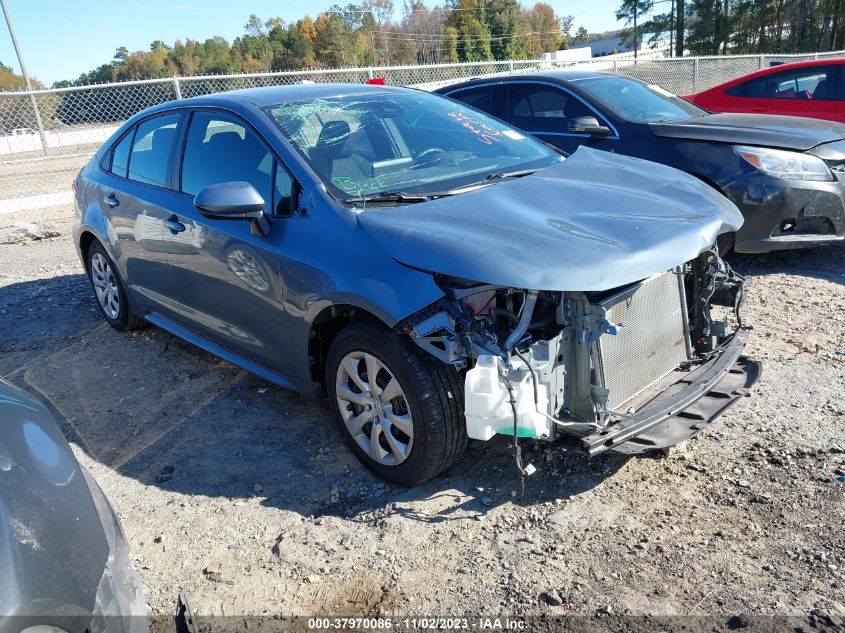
(638, 102)
(414, 143)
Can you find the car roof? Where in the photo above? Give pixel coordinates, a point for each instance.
(557, 76)
(273, 95)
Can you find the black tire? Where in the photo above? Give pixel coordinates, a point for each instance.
(125, 319)
(432, 390)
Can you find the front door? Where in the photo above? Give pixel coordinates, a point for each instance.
(228, 278)
(545, 111)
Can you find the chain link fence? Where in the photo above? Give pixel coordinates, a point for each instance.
(47, 135)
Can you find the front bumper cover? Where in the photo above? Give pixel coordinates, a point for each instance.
(683, 410)
(814, 210)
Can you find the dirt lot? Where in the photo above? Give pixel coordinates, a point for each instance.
(245, 496)
(35, 174)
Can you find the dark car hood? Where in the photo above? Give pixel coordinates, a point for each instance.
(593, 222)
(53, 549)
(786, 132)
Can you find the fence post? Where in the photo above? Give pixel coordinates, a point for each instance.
(177, 89)
(695, 75)
(762, 62)
(370, 73)
(510, 67)
(615, 66)
(40, 123)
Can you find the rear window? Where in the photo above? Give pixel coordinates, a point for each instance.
(152, 147)
(120, 155)
(478, 98)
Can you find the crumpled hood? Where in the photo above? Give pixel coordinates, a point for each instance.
(764, 130)
(593, 222)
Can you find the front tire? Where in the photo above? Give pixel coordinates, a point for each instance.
(400, 409)
(109, 291)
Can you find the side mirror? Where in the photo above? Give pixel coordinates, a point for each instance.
(233, 201)
(588, 125)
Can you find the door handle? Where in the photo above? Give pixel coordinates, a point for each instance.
(173, 224)
(111, 201)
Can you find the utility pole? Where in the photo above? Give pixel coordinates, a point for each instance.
(25, 76)
(672, 30)
(636, 39)
(679, 29)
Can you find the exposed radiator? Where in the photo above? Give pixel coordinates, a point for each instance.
(651, 340)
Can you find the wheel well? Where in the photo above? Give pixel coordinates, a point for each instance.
(325, 328)
(85, 241)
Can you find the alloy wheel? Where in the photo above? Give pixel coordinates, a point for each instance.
(374, 408)
(105, 286)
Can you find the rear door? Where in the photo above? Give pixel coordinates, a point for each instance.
(228, 279)
(544, 110)
(489, 98)
(809, 92)
(135, 198)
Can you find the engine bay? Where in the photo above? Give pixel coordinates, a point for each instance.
(541, 364)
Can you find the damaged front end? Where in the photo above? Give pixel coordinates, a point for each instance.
(629, 369)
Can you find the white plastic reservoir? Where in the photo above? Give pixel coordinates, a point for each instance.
(487, 404)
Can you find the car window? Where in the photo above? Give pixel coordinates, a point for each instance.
(151, 149)
(804, 83)
(409, 142)
(478, 98)
(120, 155)
(542, 108)
(637, 101)
(283, 191)
(220, 148)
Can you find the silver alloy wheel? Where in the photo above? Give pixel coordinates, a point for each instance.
(105, 286)
(374, 408)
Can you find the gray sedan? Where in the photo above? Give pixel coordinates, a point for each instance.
(436, 273)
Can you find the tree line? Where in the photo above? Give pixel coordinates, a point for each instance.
(363, 34)
(714, 27)
(369, 34)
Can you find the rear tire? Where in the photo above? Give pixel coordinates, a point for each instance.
(417, 431)
(109, 291)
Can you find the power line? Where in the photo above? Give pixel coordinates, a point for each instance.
(460, 37)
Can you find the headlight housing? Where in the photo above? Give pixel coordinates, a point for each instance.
(783, 164)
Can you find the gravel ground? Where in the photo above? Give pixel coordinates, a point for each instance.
(244, 495)
(36, 174)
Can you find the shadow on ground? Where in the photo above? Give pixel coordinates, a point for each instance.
(169, 415)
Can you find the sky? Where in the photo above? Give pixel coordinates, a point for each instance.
(60, 39)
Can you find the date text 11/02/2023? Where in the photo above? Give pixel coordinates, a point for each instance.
(419, 623)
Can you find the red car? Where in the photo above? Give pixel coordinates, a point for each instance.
(811, 89)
